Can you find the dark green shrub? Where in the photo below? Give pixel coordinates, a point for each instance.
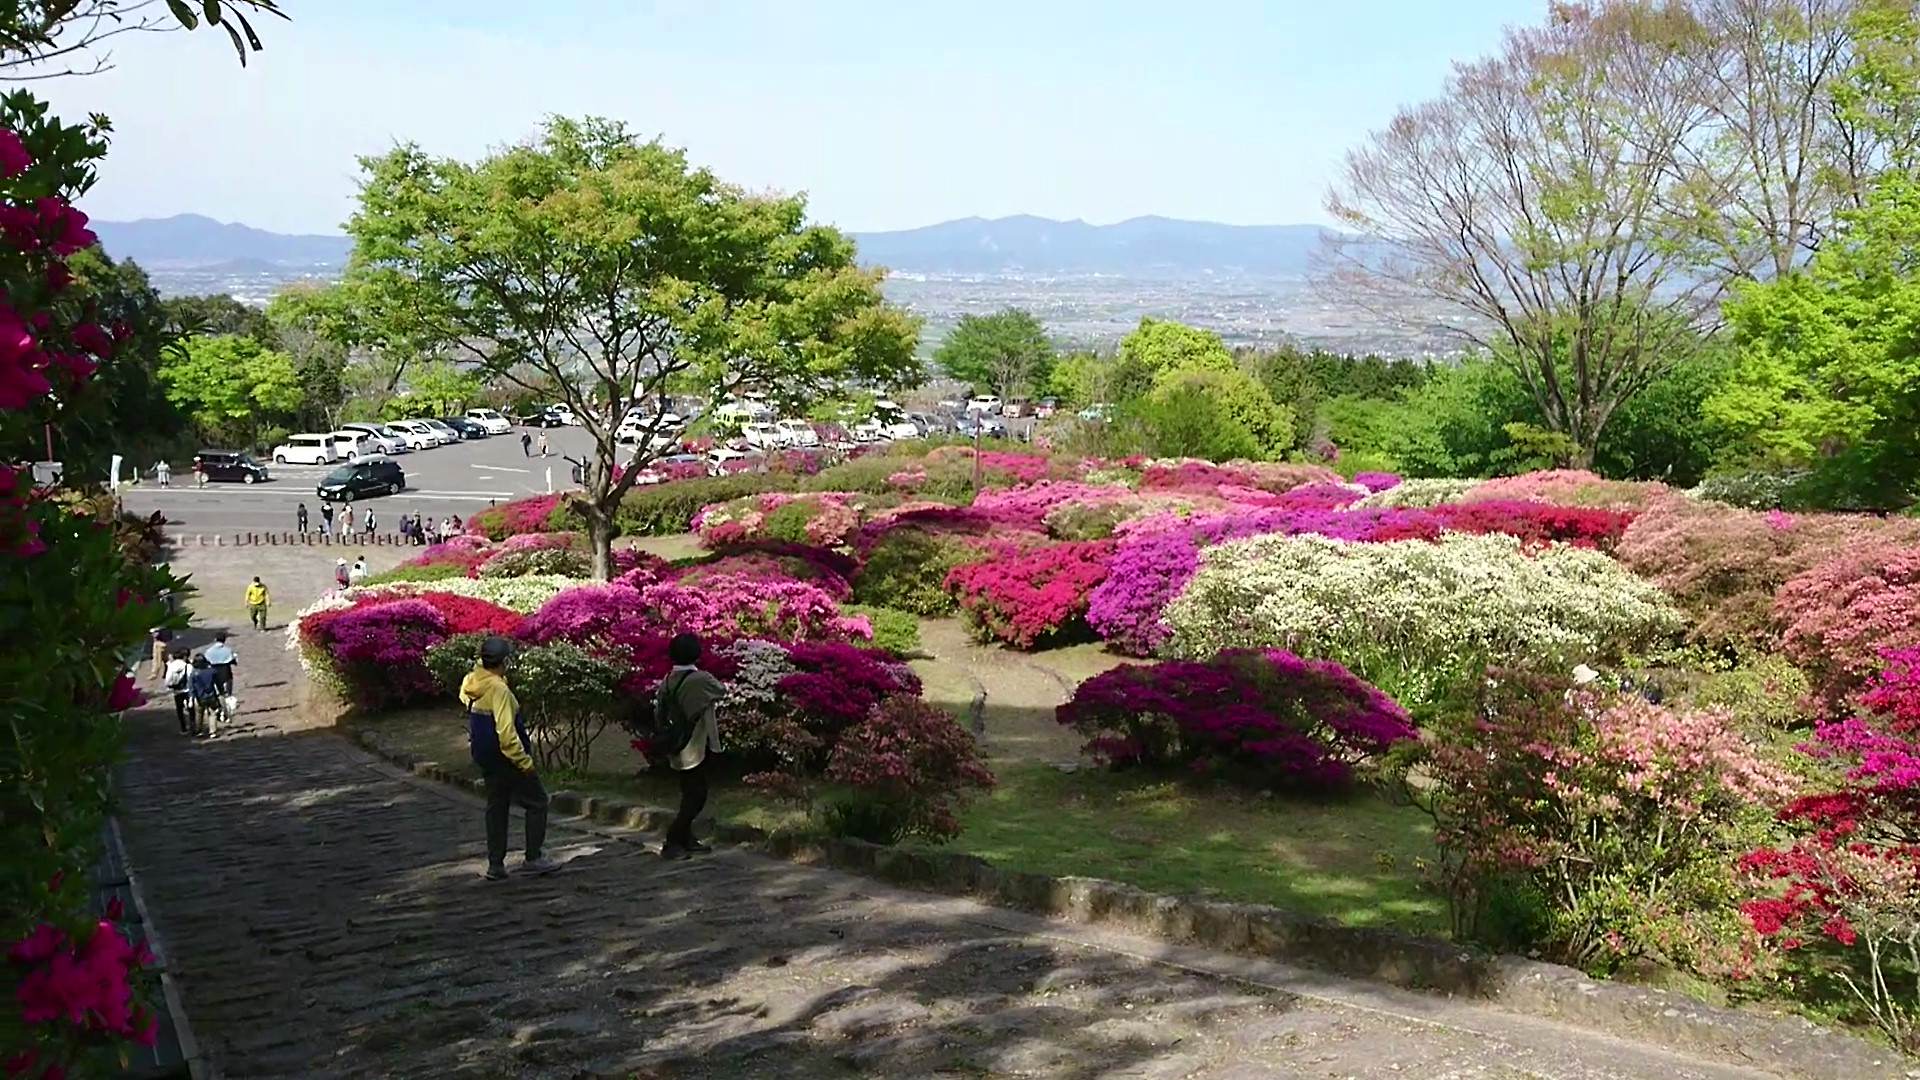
(669, 509)
(898, 632)
(907, 570)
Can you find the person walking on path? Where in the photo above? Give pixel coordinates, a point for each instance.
(300, 518)
(689, 731)
(340, 576)
(163, 473)
(358, 574)
(498, 741)
(370, 527)
(346, 520)
(526, 445)
(178, 674)
(326, 518)
(223, 660)
(162, 645)
(199, 475)
(204, 686)
(257, 604)
(543, 444)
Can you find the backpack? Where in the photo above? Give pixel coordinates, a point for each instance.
(672, 727)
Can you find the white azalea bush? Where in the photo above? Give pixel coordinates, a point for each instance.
(1415, 616)
(1420, 494)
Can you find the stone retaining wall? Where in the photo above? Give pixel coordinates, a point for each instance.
(1789, 1046)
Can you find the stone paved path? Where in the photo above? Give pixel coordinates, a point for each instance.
(324, 916)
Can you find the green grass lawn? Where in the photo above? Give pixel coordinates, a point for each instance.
(1353, 860)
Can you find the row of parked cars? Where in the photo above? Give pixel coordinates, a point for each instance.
(353, 443)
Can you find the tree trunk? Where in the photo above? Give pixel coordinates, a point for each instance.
(600, 539)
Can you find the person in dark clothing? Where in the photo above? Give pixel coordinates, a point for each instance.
(689, 695)
(526, 445)
(179, 681)
(220, 656)
(498, 741)
(326, 517)
(204, 686)
(300, 518)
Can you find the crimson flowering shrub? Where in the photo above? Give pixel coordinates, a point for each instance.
(1027, 596)
(75, 991)
(1594, 829)
(1844, 896)
(906, 769)
(1567, 487)
(377, 650)
(534, 514)
(1723, 566)
(1264, 718)
(1840, 616)
(1536, 522)
(470, 615)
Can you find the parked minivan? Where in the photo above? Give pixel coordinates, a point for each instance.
(491, 420)
(373, 476)
(385, 440)
(306, 449)
(229, 465)
(355, 445)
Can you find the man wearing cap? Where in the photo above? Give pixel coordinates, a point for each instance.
(500, 747)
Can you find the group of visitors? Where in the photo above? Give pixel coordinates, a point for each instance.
(345, 576)
(528, 442)
(415, 528)
(420, 531)
(201, 682)
(686, 731)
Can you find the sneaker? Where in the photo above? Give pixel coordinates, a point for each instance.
(495, 873)
(541, 865)
(675, 854)
(698, 848)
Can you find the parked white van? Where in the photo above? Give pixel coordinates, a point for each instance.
(306, 449)
(354, 447)
(490, 420)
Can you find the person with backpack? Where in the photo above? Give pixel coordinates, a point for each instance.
(687, 731)
(497, 739)
(178, 673)
(204, 687)
(223, 660)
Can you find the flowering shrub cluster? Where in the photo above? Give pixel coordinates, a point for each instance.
(1273, 477)
(1567, 487)
(1030, 505)
(1024, 596)
(546, 561)
(378, 650)
(1265, 718)
(1594, 830)
(1377, 482)
(74, 991)
(1851, 879)
(535, 514)
(1420, 494)
(1841, 616)
(1417, 616)
(825, 519)
(907, 770)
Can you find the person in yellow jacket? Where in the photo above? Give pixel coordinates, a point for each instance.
(257, 603)
(497, 737)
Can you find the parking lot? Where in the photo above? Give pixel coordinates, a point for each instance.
(457, 479)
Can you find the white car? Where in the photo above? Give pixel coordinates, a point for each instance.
(764, 436)
(383, 438)
(442, 431)
(985, 403)
(306, 449)
(354, 446)
(490, 421)
(798, 433)
(720, 457)
(418, 435)
(565, 412)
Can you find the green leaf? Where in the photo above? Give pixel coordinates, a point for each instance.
(183, 12)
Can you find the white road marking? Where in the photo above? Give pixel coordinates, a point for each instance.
(498, 468)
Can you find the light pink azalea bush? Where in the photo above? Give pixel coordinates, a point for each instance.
(1839, 618)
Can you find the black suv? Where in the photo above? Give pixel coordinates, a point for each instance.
(465, 427)
(377, 476)
(229, 465)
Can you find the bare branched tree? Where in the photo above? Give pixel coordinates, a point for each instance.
(59, 38)
(1541, 193)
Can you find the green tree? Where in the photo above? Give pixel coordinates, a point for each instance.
(1158, 346)
(135, 417)
(1187, 418)
(307, 322)
(438, 388)
(1168, 361)
(231, 386)
(1008, 352)
(215, 314)
(616, 270)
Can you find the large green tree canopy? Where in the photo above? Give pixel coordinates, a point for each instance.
(1008, 352)
(609, 267)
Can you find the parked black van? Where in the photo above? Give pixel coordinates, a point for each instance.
(374, 476)
(230, 466)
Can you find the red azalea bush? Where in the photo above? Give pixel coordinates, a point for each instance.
(1025, 596)
(1845, 895)
(1839, 617)
(1592, 829)
(75, 992)
(378, 648)
(468, 615)
(535, 514)
(1265, 718)
(907, 769)
(1537, 522)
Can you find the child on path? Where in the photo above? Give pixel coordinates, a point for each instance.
(498, 742)
(257, 604)
(340, 573)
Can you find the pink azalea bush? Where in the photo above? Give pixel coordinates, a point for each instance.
(826, 568)
(1270, 476)
(1025, 596)
(1568, 487)
(534, 514)
(377, 648)
(1377, 481)
(1028, 505)
(75, 992)
(1841, 616)
(726, 606)
(822, 519)
(1267, 719)
(1595, 830)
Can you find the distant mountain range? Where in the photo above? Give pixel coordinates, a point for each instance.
(1145, 246)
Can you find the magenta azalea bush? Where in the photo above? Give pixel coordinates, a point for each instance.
(1028, 505)
(727, 606)
(379, 650)
(1027, 596)
(1268, 719)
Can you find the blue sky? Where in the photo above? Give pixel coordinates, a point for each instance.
(888, 115)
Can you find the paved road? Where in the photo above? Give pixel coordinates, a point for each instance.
(325, 917)
(456, 479)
